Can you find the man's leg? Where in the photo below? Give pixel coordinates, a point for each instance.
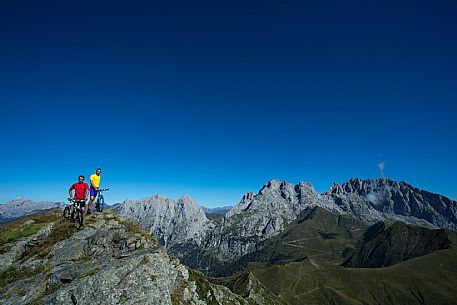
(93, 194)
(82, 215)
(92, 198)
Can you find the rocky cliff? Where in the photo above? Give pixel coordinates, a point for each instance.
(171, 221)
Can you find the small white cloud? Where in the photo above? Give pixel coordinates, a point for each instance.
(374, 198)
(381, 166)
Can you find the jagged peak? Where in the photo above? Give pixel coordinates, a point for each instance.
(159, 197)
(306, 185)
(247, 197)
(187, 200)
(154, 197)
(277, 184)
(186, 197)
(271, 184)
(357, 184)
(336, 188)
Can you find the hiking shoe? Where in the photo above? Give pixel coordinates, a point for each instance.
(89, 212)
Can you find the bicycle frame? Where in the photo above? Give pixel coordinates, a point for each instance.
(75, 210)
(100, 204)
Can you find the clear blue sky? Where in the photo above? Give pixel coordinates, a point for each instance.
(216, 98)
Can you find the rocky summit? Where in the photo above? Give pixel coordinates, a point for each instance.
(45, 260)
(386, 199)
(171, 221)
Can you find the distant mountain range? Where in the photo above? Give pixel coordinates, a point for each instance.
(217, 210)
(21, 207)
(187, 232)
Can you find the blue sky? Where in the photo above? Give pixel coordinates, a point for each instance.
(216, 98)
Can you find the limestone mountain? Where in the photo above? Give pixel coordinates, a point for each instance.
(386, 199)
(171, 221)
(204, 243)
(21, 207)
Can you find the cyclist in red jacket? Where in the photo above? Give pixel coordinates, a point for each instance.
(81, 192)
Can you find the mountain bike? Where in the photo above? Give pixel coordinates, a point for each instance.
(73, 211)
(100, 203)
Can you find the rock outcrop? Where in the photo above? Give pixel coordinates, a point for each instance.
(109, 261)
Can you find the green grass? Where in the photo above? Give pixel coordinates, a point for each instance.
(85, 258)
(60, 231)
(317, 233)
(134, 227)
(177, 297)
(12, 274)
(429, 279)
(25, 227)
(90, 273)
(145, 260)
(39, 300)
(249, 288)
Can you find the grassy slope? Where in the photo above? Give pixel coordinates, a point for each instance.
(429, 279)
(24, 227)
(316, 234)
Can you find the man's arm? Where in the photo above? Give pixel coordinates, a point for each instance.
(70, 191)
(86, 193)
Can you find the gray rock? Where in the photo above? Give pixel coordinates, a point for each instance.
(171, 221)
(386, 199)
(107, 262)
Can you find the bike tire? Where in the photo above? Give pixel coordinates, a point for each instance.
(72, 215)
(78, 216)
(102, 204)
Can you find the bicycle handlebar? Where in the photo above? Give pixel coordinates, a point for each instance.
(76, 200)
(103, 190)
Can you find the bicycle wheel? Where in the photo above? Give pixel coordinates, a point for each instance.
(97, 205)
(72, 214)
(66, 213)
(102, 204)
(78, 216)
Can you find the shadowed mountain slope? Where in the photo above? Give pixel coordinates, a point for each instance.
(383, 246)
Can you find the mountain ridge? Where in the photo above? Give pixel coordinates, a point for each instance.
(21, 206)
(260, 216)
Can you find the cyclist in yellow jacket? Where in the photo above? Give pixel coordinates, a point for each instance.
(94, 188)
